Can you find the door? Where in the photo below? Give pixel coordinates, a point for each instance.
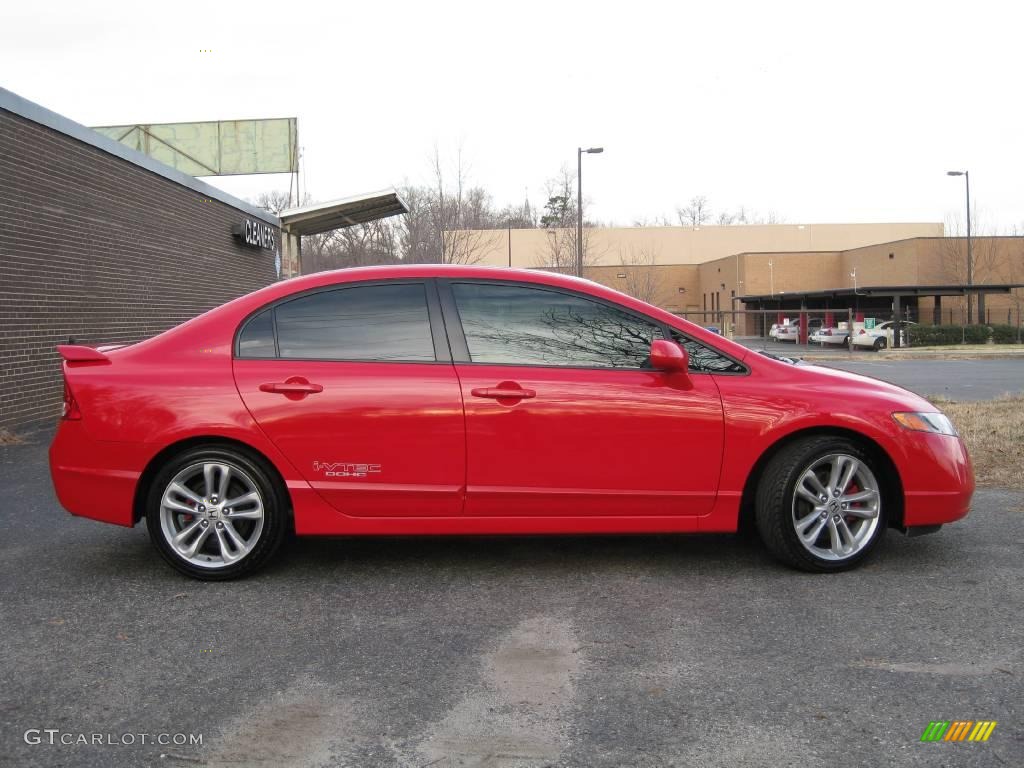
(355, 386)
(563, 418)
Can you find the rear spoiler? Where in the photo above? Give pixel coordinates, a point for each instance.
(75, 353)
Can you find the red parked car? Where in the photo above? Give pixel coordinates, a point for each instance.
(473, 400)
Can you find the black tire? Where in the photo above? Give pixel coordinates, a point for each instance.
(276, 521)
(881, 343)
(775, 505)
(846, 341)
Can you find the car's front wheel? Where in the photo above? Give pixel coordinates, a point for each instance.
(881, 343)
(819, 504)
(215, 513)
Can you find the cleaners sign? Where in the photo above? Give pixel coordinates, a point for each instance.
(255, 234)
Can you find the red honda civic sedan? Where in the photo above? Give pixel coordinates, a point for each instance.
(474, 400)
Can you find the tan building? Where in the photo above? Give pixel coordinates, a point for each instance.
(707, 272)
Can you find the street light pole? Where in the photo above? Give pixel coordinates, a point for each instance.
(970, 257)
(579, 203)
(579, 212)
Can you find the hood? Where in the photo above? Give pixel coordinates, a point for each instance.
(857, 386)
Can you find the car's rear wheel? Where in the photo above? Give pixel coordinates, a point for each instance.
(820, 506)
(881, 343)
(215, 513)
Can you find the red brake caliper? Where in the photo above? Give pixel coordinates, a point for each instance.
(853, 488)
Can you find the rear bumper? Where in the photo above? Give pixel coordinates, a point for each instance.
(93, 478)
(938, 482)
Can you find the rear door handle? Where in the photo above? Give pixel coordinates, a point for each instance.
(294, 386)
(503, 393)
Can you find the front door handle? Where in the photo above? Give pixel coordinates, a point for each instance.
(295, 388)
(504, 393)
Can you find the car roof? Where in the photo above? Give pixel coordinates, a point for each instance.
(236, 310)
(450, 271)
(404, 271)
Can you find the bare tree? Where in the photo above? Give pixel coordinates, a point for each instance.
(657, 221)
(273, 200)
(984, 255)
(1012, 271)
(697, 213)
(518, 216)
(360, 245)
(639, 266)
(560, 219)
(460, 215)
(374, 242)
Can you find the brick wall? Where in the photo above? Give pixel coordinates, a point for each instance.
(658, 284)
(95, 247)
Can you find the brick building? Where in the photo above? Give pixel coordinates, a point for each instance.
(706, 272)
(105, 245)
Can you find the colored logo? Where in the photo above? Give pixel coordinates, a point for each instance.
(958, 730)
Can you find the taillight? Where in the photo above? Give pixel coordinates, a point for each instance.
(70, 411)
(861, 332)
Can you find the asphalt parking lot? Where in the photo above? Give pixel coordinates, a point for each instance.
(617, 651)
(955, 379)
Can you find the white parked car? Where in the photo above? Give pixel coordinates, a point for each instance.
(791, 332)
(881, 336)
(831, 336)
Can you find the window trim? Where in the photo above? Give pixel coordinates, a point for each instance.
(460, 348)
(236, 344)
(442, 350)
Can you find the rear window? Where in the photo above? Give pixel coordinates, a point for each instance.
(370, 322)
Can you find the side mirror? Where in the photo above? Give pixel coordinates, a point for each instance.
(669, 357)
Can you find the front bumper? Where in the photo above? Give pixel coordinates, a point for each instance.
(938, 481)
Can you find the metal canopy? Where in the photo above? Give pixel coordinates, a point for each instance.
(323, 217)
(959, 289)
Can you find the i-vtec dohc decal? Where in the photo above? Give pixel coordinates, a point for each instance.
(345, 468)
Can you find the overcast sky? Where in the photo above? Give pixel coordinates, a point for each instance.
(821, 112)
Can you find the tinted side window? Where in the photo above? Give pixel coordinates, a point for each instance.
(516, 325)
(371, 322)
(257, 338)
(704, 359)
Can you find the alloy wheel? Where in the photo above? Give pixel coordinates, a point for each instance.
(836, 507)
(211, 514)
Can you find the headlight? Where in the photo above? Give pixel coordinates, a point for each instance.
(937, 423)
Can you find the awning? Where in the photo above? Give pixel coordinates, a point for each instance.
(957, 289)
(323, 217)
